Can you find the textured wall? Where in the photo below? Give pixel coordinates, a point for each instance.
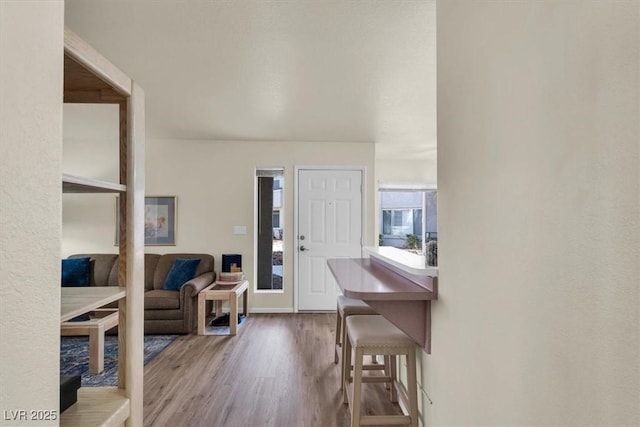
(214, 184)
(538, 176)
(31, 42)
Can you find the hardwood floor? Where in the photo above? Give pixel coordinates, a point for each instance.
(278, 371)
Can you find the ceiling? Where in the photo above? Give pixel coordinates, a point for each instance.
(356, 71)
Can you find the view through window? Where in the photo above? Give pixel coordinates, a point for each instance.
(270, 226)
(408, 219)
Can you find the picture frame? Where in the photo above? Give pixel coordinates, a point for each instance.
(159, 221)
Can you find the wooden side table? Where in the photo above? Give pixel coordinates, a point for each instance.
(219, 294)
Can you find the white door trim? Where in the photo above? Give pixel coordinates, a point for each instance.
(363, 213)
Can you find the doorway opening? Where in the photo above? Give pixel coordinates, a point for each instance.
(270, 229)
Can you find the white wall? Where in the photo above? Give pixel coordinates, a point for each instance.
(214, 184)
(406, 171)
(31, 44)
(537, 321)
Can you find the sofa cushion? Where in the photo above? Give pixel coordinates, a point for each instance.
(161, 300)
(181, 272)
(166, 262)
(150, 262)
(100, 268)
(75, 272)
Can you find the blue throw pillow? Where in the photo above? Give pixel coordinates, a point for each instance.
(75, 272)
(181, 272)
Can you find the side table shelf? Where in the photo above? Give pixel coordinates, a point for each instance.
(219, 294)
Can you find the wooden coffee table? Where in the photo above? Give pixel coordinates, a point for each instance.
(219, 294)
(76, 301)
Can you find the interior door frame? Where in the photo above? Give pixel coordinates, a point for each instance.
(296, 187)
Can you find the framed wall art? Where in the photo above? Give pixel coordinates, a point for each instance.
(159, 220)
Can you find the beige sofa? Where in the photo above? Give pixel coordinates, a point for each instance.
(165, 311)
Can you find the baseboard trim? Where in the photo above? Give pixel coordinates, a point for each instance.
(275, 310)
(267, 310)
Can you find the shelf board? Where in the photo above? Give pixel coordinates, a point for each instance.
(78, 184)
(97, 406)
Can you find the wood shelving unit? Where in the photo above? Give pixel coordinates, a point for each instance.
(91, 78)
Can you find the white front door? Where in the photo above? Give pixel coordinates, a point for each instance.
(329, 226)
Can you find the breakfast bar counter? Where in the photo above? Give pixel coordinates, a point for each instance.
(366, 279)
(402, 295)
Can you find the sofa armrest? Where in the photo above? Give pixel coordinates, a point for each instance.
(198, 283)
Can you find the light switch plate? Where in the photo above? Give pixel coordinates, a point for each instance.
(239, 229)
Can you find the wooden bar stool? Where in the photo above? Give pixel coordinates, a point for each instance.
(347, 307)
(369, 335)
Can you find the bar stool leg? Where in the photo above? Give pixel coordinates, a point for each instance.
(338, 334)
(346, 367)
(393, 373)
(357, 388)
(412, 387)
(387, 370)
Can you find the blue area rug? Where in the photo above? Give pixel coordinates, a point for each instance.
(74, 357)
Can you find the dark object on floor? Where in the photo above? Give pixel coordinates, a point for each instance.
(69, 385)
(224, 320)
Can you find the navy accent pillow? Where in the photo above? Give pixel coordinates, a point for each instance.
(75, 272)
(181, 272)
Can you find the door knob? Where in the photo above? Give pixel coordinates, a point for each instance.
(302, 249)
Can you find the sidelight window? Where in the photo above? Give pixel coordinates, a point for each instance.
(270, 229)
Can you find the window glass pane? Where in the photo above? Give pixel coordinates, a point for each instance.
(270, 224)
(386, 222)
(402, 222)
(417, 223)
(411, 212)
(397, 220)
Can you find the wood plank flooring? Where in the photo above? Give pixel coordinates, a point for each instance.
(278, 371)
